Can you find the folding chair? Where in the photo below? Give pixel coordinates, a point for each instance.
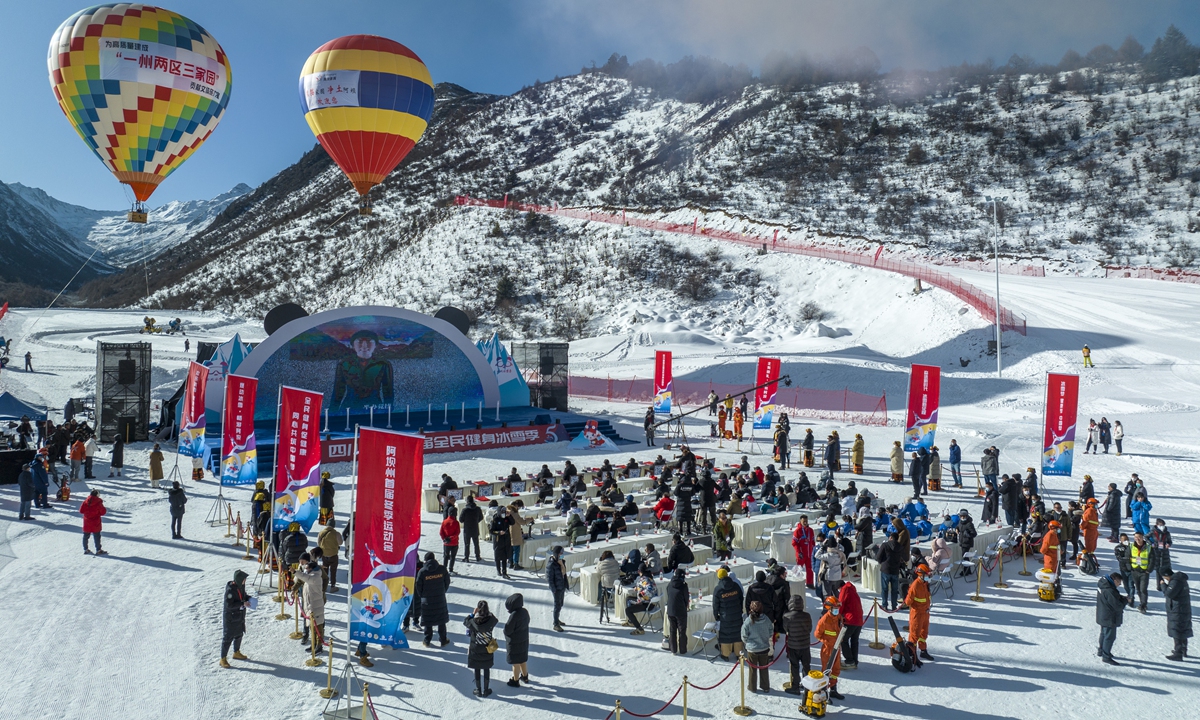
(941, 581)
(652, 608)
(541, 555)
(706, 636)
(574, 575)
(764, 540)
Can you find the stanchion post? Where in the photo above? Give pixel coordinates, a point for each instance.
(977, 597)
(328, 691)
(1024, 566)
(313, 660)
(876, 645)
(1000, 582)
(366, 698)
(229, 520)
(685, 685)
(279, 598)
(742, 710)
(617, 710)
(296, 634)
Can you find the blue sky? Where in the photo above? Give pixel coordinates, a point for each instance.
(500, 46)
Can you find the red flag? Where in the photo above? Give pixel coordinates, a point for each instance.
(191, 421)
(1058, 437)
(924, 396)
(239, 455)
(298, 457)
(3, 310)
(387, 530)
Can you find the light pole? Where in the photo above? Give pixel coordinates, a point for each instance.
(993, 201)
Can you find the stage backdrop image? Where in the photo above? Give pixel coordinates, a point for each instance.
(367, 358)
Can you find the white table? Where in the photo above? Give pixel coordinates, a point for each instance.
(747, 529)
(589, 577)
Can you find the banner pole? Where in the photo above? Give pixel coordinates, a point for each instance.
(480, 411)
(463, 419)
(272, 559)
(389, 425)
(350, 561)
(347, 418)
(445, 413)
(497, 411)
(407, 415)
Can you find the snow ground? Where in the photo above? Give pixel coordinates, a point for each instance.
(137, 633)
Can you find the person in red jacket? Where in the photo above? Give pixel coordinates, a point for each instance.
(852, 620)
(664, 509)
(449, 532)
(93, 509)
(803, 542)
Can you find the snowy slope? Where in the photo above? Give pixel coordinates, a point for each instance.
(36, 251)
(152, 609)
(122, 243)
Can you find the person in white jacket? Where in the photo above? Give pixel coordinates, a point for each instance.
(939, 559)
(833, 567)
(90, 447)
(312, 595)
(1118, 434)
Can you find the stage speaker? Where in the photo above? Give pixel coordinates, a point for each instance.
(126, 427)
(281, 315)
(546, 365)
(126, 372)
(455, 317)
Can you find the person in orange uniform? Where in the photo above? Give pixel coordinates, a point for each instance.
(1049, 548)
(721, 416)
(1089, 526)
(917, 601)
(737, 423)
(827, 630)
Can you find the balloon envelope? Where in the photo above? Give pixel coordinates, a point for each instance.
(368, 100)
(143, 86)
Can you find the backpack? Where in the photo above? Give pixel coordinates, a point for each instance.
(1088, 564)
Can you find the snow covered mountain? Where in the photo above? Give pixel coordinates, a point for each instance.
(122, 243)
(1097, 164)
(36, 251)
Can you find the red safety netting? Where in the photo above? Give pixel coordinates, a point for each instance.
(1153, 273)
(983, 303)
(844, 405)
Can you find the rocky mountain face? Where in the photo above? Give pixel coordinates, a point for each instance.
(1098, 165)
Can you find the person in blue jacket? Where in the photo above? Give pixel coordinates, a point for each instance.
(883, 520)
(956, 463)
(1141, 513)
(41, 481)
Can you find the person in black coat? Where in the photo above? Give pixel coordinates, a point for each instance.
(479, 657)
(1010, 500)
(25, 482)
(325, 502)
(556, 577)
(727, 611)
(177, 499)
(797, 623)
(1110, 611)
(292, 544)
(469, 518)
(1174, 586)
(118, 456)
(1112, 511)
(432, 583)
(777, 579)
(233, 617)
(500, 529)
(680, 554)
(918, 471)
(762, 592)
(678, 598)
(516, 639)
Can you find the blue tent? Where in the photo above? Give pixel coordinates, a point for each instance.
(12, 409)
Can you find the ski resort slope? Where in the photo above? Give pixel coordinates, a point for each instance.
(137, 632)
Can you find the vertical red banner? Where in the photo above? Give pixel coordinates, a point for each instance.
(764, 397)
(3, 310)
(191, 420)
(239, 454)
(1058, 438)
(387, 531)
(662, 381)
(924, 397)
(298, 458)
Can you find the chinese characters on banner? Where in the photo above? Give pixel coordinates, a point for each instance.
(924, 395)
(239, 456)
(447, 441)
(298, 458)
(332, 88)
(1058, 443)
(662, 381)
(158, 64)
(387, 530)
(764, 397)
(191, 418)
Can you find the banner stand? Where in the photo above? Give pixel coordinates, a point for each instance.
(349, 711)
(753, 441)
(216, 515)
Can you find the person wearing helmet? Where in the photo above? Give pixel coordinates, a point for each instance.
(1089, 525)
(917, 601)
(326, 499)
(1087, 357)
(1049, 550)
(827, 631)
(807, 444)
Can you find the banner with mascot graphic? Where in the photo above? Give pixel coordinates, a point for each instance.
(924, 396)
(387, 530)
(764, 397)
(191, 422)
(239, 454)
(1062, 405)
(298, 458)
(662, 381)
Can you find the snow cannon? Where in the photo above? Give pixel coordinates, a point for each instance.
(816, 693)
(1046, 589)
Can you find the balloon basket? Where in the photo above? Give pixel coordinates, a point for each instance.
(134, 216)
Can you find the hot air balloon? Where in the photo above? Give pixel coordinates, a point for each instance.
(368, 100)
(143, 86)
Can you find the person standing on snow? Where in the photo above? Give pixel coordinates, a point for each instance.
(917, 601)
(955, 459)
(1105, 433)
(826, 632)
(233, 617)
(470, 518)
(1140, 508)
(798, 625)
(516, 639)
(852, 617)
(556, 578)
(118, 456)
(449, 532)
(1118, 434)
(89, 455)
(156, 466)
(1087, 357)
(92, 509)
(25, 482)
(1112, 512)
(40, 480)
(1141, 559)
(989, 466)
(807, 445)
(757, 633)
(1110, 611)
(431, 584)
(1089, 526)
(712, 403)
(177, 500)
(329, 540)
(1093, 438)
(1179, 611)
(28, 362)
(1160, 537)
(648, 424)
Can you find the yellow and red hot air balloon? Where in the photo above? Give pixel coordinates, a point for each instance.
(368, 100)
(143, 86)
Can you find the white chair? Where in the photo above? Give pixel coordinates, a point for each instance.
(541, 555)
(941, 581)
(705, 636)
(764, 540)
(574, 575)
(654, 607)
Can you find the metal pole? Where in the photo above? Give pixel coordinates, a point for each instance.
(389, 425)
(407, 415)
(326, 420)
(995, 222)
(328, 691)
(313, 660)
(978, 580)
(1024, 566)
(497, 411)
(876, 645)
(742, 710)
(371, 416)
(347, 418)
(445, 413)
(1000, 554)
(685, 684)
(350, 560)
(463, 419)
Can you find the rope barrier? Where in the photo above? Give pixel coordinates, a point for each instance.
(764, 667)
(664, 707)
(711, 687)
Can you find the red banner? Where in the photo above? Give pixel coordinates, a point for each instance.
(191, 420)
(239, 454)
(387, 530)
(3, 310)
(342, 449)
(662, 381)
(924, 397)
(298, 458)
(1058, 438)
(764, 397)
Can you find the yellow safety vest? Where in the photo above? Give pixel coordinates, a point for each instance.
(1139, 559)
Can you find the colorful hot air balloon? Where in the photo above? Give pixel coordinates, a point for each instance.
(143, 86)
(368, 100)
